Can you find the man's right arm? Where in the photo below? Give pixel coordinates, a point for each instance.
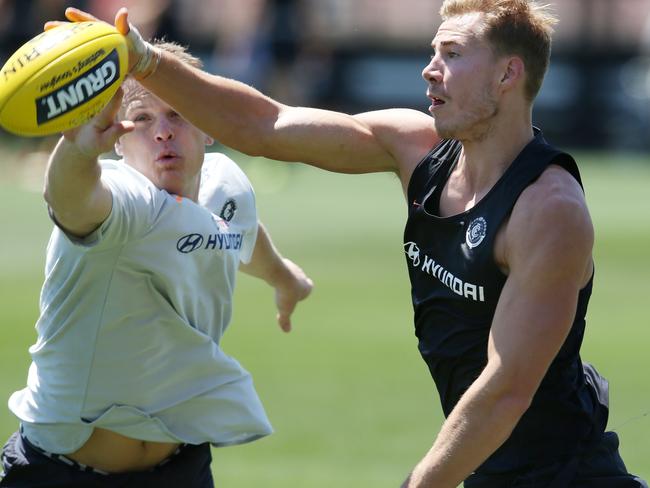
(241, 117)
(74, 191)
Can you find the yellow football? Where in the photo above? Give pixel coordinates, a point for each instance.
(61, 78)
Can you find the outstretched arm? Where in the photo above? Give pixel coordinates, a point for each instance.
(241, 117)
(73, 188)
(549, 224)
(289, 280)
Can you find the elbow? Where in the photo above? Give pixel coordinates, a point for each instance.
(513, 405)
(511, 395)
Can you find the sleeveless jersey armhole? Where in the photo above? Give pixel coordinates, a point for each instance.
(567, 162)
(410, 189)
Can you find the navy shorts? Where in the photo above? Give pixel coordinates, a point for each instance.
(25, 466)
(599, 466)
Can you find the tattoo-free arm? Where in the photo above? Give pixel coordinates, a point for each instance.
(243, 118)
(289, 280)
(77, 198)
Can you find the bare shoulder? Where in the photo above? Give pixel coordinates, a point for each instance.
(551, 221)
(407, 134)
(555, 197)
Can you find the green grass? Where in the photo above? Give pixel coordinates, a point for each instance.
(350, 399)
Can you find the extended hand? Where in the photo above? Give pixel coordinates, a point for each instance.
(290, 291)
(142, 57)
(100, 133)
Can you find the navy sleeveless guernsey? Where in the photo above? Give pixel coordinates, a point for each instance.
(455, 289)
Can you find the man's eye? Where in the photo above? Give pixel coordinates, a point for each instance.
(140, 118)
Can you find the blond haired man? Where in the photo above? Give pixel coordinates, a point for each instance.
(498, 240)
(128, 384)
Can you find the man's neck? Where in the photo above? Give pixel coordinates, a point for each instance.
(485, 157)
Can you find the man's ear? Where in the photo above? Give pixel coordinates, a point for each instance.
(209, 140)
(513, 72)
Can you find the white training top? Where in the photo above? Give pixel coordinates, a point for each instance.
(132, 315)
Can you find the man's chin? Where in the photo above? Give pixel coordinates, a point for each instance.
(444, 131)
(170, 185)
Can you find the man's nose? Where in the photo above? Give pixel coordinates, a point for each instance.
(431, 72)
(164, 131)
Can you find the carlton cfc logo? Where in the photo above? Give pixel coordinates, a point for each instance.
(476, 231)
(228, 210)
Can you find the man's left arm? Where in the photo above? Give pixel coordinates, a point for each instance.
(289, 280)
(547, 250)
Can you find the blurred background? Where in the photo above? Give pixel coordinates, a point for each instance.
(351, 401)
(353, 55)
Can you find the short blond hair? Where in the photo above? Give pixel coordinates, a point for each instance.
(132, 89)
(520, 27)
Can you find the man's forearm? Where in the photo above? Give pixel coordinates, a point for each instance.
(481, 421)
(71, 182)
(289, 280)
(266, 262)
(236, 114)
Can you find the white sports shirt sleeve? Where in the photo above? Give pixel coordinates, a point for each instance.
(227, 192)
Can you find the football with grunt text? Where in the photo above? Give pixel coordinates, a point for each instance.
(61, 78)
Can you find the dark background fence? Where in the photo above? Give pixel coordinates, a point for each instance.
(356, 55)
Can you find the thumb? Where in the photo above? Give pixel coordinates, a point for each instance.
(122, 21)
(119, 128)
(108, 135)
(112, 133)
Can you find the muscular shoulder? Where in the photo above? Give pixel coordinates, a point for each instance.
(550, 221)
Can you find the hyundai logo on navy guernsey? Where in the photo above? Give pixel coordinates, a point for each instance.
(192, 242)
(79, 90)
(436, 270)
(413, 252)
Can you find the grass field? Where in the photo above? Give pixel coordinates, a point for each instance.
(351, 401)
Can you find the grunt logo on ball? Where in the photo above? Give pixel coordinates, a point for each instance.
(60, 77)
(79, 90)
